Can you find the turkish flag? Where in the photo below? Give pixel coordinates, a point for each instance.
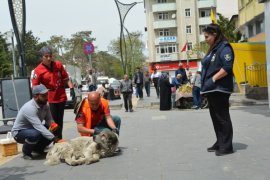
(184, 48)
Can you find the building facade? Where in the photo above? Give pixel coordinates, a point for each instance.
(172, 25)
(251, 20)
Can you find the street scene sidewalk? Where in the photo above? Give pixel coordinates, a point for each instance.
(164, 145)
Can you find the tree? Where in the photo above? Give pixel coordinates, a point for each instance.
(132, 51)
(5, 58)
(228, 28)
(32, 46)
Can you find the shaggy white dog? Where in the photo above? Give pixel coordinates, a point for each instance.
(83, 150)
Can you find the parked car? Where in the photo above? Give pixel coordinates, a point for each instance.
(103, 80)
(114, 90)
(84, 86)
(78, 94)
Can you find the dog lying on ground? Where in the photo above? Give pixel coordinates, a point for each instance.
(83, 150)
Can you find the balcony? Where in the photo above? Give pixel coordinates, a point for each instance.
(164, 24)
(205, 20)
(165, 39)
(206, 4)
(164, 7)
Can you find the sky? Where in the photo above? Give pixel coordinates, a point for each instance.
(65, 17)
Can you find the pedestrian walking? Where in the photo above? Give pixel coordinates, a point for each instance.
(53, 75)
(147, 82)
(217, 84)
(127, 90)
(155, 79)
(138, 80)
(92, 80)
(196, 88)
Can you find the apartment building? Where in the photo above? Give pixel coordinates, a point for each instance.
(251, 20)
(172, 24)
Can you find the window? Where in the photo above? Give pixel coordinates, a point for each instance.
(167, 48)
(189, 46)
(187, 12)
(259, 27)
(205, 13)
(250, 31)
(188, 29)
(164, 32)
(161, 1)
(162, 16)
(201, 29)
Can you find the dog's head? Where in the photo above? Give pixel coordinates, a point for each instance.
(107, 142)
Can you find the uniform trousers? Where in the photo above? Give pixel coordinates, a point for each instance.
(57, 111)
(219, 112)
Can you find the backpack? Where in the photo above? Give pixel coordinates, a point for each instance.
(78, 105)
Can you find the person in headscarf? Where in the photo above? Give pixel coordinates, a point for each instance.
(165, 92)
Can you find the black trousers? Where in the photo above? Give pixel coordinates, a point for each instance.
(219, 112)
(156, 85)
(57, 111)
(127, 96)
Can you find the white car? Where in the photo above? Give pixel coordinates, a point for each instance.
(85, 87)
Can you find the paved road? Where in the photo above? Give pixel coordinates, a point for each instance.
(166, 145)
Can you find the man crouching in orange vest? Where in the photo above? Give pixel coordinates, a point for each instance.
(94, 116)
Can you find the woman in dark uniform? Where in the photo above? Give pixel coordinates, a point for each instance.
(217, 84)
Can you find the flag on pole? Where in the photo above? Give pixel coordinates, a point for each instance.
(184, 48)
(213, 17)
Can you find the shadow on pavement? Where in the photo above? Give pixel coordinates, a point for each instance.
(239, 146)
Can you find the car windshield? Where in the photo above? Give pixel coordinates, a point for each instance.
(101, 81)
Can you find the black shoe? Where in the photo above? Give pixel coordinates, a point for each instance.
(27, 156)
(212, 148)
(223, 152)
(131, 110)
(126, 110)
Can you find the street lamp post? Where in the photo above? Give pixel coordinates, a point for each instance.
(18, 16)
(10, 35)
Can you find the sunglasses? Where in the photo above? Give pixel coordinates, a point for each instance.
(48, 56)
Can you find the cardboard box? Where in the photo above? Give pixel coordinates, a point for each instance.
(9, 149)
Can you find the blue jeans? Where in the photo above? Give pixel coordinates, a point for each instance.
(196, 96)
(104, 126)
(32, 140)
(147, 88)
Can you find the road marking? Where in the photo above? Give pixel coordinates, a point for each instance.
(156, 118)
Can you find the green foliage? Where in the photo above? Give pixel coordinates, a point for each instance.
(132, 50)
(228, 28)
(31, 46)
(5, 58)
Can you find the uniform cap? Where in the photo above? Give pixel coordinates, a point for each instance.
(39, 89)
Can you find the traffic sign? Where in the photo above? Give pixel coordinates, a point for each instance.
(88, 48)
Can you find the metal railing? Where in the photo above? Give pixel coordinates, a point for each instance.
(256, 75)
